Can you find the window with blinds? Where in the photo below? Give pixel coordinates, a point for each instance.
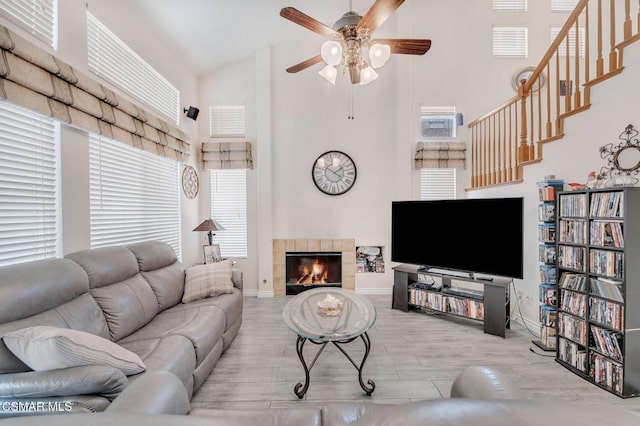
(135, 195)
(437, 184)
(510, 5)
(510, 42)
(565, 6)
(29, 186)
(437, 122)
(562, 49)
(111, 59)
(38, 17)
(227, 121)
(229, 208)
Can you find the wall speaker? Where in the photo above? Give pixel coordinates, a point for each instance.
(192, 112)
(459, 120)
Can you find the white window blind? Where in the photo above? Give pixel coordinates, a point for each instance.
(110, 58)
(227, 121)
(29, 186)
(229, 208)
(38, 17)
(134, 195)
(437, 184)
(562, 49)
(510, 42)
(563, 5)
(438, 121)
(510, 5)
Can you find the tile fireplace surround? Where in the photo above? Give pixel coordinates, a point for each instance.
(347, 247)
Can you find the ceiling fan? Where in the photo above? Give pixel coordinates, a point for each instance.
(350, 42)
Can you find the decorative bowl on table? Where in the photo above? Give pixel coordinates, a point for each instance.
(330, 306)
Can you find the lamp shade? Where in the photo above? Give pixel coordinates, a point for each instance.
(329, 73)
(331, 52)
(209, 225)
(379, 54)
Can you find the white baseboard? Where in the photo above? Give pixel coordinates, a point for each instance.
(374, 291)
(532, 325)
(264, 294)
(250, 293)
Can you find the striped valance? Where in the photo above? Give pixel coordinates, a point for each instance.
(32, 78)
(440, 155)
(227, 154)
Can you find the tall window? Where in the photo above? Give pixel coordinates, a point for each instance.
(510, 5)
(437, 184)
(38, 17)
(510, 42)
(565, 6)
(111, 59)
(134, 195)
(29, 186)
(229, 186)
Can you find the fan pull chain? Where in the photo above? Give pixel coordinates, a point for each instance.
(350, 115)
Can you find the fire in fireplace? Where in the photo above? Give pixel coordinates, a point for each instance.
(310, 270)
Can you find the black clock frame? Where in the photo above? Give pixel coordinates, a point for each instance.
(355, 172)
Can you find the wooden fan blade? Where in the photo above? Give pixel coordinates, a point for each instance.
(297, 17)
(354, 73)
(378, 13)
(304, 64)
(405, 46)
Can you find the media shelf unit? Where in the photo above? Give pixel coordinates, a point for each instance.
(491, 306)
(598, 248)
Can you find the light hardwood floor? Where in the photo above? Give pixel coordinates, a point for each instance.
(413, 356)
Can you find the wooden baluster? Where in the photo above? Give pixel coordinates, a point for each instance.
(568, 83)
(473, 156)
(549, 126)
(559, 128)
(540, 137)
(486, 152)
(587, 36)
(498, 143)
(493, 151)
(578, 96)
(628, 25)
(600, 60)
(513, 141)
(523, 150)
(613, 54)
(504, 146)
(531, 124)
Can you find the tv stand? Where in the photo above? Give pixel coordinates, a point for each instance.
(492, 309)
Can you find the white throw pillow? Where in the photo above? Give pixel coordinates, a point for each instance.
(49, 348)
(207, 280)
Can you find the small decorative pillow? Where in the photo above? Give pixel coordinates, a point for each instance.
(48, 348)
(207, 280)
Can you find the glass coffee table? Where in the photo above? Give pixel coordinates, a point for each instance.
(330, 315)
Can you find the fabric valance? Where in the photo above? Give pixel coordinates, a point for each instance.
(35, 79)
(227, 154)
(440, 155)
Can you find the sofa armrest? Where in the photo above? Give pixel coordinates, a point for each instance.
(236, 277)
(482, 383)
(154, 392)
(85, 380)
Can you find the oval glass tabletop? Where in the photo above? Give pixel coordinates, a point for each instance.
(329, 314)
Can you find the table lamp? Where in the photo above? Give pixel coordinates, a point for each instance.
(209, 225)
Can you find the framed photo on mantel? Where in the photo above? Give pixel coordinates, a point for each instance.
(212, 253)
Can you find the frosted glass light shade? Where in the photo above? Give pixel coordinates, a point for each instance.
(329, 73)
(379, 54)
(331, 52)
(367, 75)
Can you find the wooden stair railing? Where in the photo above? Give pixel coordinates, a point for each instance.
(587, 50)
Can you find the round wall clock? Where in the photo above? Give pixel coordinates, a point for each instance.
(190, 183)
(334, 172)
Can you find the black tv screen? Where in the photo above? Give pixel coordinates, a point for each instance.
(469, 235)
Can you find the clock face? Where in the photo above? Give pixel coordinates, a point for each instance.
(334, 172)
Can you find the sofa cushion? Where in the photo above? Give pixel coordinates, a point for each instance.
(202, 325)
(127, 305)
(49, 348)
(160, 267)
(208, 280)
(170, 353)
(230, 304)
(106, 266)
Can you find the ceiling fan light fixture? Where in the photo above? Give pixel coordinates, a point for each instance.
(379, 54)
(331, 52)
(367, 75)
(329, 73)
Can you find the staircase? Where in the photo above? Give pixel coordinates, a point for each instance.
(588, 50)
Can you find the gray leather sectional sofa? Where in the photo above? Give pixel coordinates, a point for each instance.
(130, 295)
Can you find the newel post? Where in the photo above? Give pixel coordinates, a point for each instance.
(523, 149)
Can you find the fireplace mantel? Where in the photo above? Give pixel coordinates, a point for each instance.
(345, 246)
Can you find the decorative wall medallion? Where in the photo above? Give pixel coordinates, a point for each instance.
(525, 74)
(623, 159)
(334, 173)
(190, 182)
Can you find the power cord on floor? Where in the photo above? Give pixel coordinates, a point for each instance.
(539, 354)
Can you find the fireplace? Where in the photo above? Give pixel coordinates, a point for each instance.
(307, 270)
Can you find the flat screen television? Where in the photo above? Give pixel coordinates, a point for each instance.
(479, 235)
